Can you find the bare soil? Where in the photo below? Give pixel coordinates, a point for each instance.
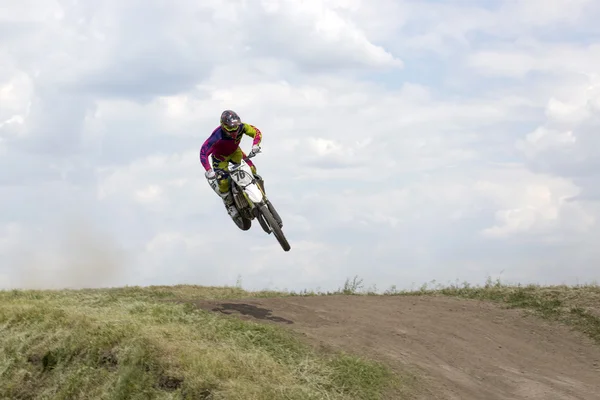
(459, 349)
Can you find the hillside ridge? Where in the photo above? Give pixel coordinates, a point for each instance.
(183, 341)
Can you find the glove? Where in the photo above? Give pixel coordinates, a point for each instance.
(210, 174)
(255, 150)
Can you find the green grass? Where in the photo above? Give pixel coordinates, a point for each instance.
(136, 343)
(128, 343)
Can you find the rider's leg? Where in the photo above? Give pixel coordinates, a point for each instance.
(238, 155)
(223, 164)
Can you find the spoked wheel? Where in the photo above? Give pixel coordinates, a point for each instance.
(275, 228)
(261, 220)
(275, 214)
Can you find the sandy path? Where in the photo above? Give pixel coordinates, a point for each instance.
(462, 349)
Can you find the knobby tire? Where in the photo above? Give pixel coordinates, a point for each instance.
(264, 209)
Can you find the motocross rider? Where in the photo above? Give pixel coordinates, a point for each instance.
(223, 145)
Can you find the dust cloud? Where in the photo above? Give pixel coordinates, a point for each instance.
(74, 255)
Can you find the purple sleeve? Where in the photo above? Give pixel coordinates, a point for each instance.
(206, 149)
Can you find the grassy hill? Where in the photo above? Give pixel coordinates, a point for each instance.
(137, 343)
(131, 344)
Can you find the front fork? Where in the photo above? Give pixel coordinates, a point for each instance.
(261, 185)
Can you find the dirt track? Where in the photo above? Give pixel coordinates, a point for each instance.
(461, 349)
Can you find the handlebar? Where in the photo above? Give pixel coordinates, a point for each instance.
(254, 154)
(220, 172)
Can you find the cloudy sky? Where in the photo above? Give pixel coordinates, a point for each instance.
(404, 141)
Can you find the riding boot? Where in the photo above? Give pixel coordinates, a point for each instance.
(229, 205)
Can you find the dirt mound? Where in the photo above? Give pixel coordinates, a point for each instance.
(462, 349)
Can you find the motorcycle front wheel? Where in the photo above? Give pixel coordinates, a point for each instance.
(274, 225)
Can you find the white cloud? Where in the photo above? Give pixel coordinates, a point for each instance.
(535, 56)
(532, 204)
(567, 142)
(403, 141)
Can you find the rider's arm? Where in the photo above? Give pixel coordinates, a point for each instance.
(253, 132)
(207, 148)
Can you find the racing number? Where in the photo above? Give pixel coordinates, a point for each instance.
(239, 174)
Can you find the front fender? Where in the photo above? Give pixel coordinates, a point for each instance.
(253, 192)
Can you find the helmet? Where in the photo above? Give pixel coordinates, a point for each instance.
(230, 123)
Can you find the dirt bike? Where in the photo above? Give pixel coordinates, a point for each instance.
(251, 201)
